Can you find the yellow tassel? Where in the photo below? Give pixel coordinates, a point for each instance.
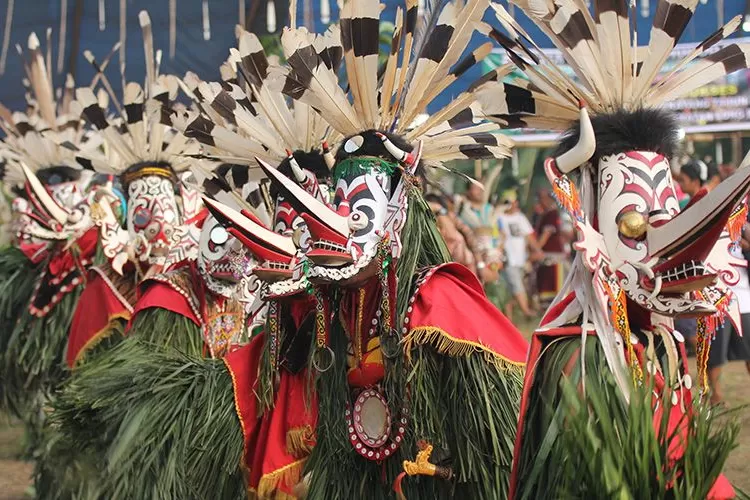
(702, 348)
(102, 334)
(300, 441)
(452, 347)
(268, 485)
(567, 196)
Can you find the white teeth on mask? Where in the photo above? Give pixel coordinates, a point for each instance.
(275, 265)
(328, 245)
(689, 269)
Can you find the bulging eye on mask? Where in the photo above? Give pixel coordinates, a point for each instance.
(222, 260)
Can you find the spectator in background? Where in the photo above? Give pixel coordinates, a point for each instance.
(726, 169)
(714, 178)
(551, 270)
(459, 238)
(476, 213)
(519, 237)
(693, 175)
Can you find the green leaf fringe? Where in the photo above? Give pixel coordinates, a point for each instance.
(596, 445)
(161, 423)
(17, 279)
(83, 427)
(34, 360)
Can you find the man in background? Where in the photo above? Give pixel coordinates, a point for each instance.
(459, 238)
(479, 215)
(551, 271)
(519, 238)
(692, 177)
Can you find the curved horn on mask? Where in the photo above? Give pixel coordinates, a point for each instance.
(305, 201)
(49, 204)
(583, 150)
(296, 169)
(328, 156)
(408, 159)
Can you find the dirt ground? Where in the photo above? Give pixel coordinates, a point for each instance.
(15, 474)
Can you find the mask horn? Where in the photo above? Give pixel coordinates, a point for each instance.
(407, 159)
(328, 156)
(49, 204)
(583, 150)
(296, 169)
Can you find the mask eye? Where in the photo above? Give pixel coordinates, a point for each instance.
(219, 235)
(358, 220)
(632, 225)
(141, 218)
(354, 143)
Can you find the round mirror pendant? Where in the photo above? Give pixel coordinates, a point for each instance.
(369, 424)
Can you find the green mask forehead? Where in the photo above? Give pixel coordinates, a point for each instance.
(362, 165)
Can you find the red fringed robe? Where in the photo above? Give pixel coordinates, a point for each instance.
(278, 441)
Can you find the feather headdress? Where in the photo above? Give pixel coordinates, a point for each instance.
(241, 118)
(47, 134)
(144, 134)
(394, 99)
(612, 73)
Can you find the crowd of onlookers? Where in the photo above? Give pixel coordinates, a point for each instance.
(522, 259)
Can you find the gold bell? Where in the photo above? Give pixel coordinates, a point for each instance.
(632, 225)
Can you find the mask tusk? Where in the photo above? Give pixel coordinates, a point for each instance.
(310, 204)
(49, 204)
(583, 150)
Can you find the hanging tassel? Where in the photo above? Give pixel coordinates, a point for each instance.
(102, 16)
(206, 22)
(271, 16)
(322, 333)
(563, 189)
(242, 13)
(702, 348)
(618, 302)
(274, 322)
(6, 35)
(736, 222)
(325, 12)
(63, 34)
(172, 28)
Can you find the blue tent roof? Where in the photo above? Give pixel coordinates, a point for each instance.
(203, 57)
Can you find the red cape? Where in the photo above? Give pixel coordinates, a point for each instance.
(450, 311)
(97, 308)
